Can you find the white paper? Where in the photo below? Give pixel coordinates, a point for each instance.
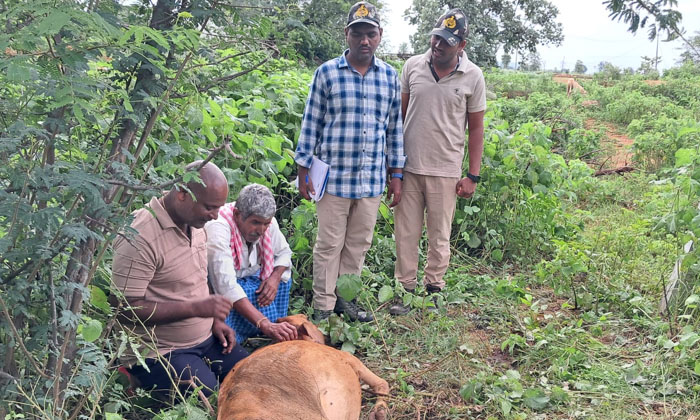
(318, 174)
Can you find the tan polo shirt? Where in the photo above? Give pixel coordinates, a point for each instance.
(162, 264)
(436, 119)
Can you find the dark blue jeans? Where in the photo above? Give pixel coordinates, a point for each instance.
(205, 364)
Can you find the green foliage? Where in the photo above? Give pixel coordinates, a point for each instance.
(607, 72)
(348, 286)
(517, 209)
(579, 67)
(691, 51)
(513, 25)
(659, 15)
(100, 110)
(314, 29)
(658, 139)
(506, 392)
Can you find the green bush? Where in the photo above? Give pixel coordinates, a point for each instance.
(517, 210)
(656, 139)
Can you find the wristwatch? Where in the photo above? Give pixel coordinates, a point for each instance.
(474, 178)
(397, 175)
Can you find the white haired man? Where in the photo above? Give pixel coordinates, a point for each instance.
(250, 263)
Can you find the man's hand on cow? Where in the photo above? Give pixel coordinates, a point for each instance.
(225, 335)
(466, 187)
(394, 192)
(268, 289)
(279, 331)
(213, 306)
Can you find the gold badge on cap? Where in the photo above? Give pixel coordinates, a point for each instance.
(450, 22)
(361, 11)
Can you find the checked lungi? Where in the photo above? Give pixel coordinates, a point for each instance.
(277, 309)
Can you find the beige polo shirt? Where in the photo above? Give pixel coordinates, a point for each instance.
(437, 115)
(162, 264)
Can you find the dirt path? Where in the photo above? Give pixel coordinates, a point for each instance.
(617, 147)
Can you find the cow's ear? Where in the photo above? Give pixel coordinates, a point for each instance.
(309, 332)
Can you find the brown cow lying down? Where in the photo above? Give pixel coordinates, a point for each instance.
(299, 380)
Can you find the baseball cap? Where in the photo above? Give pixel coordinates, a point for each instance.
(363, 12)
(452, 26)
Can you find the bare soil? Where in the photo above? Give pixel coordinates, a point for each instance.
(617, 146)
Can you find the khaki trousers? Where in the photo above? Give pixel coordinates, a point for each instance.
(345, 231)
(431, 199)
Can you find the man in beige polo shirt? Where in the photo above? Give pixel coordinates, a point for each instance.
(443, 95)
(162, 273)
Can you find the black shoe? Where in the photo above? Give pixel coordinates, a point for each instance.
(399, 308)
(432, 289)
(433, 293)
(321, 314)
(354, 312)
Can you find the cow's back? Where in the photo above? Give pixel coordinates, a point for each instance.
(292, 380)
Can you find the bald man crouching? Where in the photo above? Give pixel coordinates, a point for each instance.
(162, 273)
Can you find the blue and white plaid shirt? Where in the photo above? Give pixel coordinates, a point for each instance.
(353, 123)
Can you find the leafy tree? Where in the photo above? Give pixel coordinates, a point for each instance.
(531, 62)
(648, 67)
(314, 29)
(690, 50)
(607, 71)
(658, 15)
(493, 24)
(505, 60)
(579, 67)
(101, 104)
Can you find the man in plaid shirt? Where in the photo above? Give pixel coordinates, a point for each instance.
(352, 122)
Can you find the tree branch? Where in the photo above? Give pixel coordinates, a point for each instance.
(7, 376)
(18, 337)
(228, 57)
(169, 184)
(229, 77)
(223, 79)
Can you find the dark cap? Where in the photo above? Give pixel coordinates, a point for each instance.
(452, 26)
(363, 12)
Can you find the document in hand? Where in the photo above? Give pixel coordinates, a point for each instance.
(318, 176)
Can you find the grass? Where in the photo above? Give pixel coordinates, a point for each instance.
(515, 348)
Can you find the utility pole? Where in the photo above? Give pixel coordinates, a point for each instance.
(563, 61)
(656, 60)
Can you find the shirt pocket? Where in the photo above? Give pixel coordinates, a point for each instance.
(338, 101)
(455, 99)
(381, 105)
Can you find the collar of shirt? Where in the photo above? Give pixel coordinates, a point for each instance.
(461, 63)
(435, 75)
(343, 62)
(161, 214)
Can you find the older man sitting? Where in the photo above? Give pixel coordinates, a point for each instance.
(250, 263)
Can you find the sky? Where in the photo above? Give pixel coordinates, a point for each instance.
(589, 35)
